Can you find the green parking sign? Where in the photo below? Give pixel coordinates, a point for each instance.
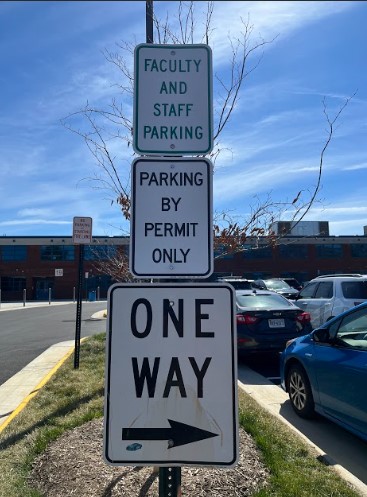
(173, 100)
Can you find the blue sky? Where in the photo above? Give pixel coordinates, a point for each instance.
(52, 63)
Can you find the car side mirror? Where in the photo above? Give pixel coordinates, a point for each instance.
(321, 335)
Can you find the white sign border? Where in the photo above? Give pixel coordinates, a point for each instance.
(107, 389)
(77, 219)
(210, 260)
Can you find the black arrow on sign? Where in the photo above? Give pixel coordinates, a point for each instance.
(178, 434)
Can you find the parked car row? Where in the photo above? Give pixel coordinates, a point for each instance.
(322, 339)
(323, 297)
(277, 285)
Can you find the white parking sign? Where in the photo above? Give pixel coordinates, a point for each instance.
(172, 227)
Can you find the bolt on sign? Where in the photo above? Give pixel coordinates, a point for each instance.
(82, 230)
(173, 99)
(171, 375)
(171, 228)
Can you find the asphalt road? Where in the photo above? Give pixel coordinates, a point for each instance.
(266, 364)
(26, 333)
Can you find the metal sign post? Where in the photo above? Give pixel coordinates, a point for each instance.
(171, 348)
(170, 482)
(169, 478)
(82, 235)
(78, 307)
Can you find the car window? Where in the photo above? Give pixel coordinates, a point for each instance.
(277, 284)
(308, 291)
(354, 289)
(352, 330)
(262, 301)
(241, 285)
(324, 290)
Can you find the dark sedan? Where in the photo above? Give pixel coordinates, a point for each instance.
(266, 321)
(276, 285)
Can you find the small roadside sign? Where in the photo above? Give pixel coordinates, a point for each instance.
(173, 100)
(59, 272)
(171, 375)
(172, 225)
(82, 230)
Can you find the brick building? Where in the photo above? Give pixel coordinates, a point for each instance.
(37, 264)
(303, 258)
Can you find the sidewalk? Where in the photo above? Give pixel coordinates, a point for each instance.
(11, 306)
(18, 391)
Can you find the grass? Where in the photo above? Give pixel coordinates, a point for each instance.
(73, 397)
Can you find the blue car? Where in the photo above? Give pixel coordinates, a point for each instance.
(326, 371)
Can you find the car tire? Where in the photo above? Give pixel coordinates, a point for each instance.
(300, 393)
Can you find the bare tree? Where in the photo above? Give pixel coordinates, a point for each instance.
(231, 233)
(116, 266)
(115, 123)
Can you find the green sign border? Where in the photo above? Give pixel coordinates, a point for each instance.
(169, 151)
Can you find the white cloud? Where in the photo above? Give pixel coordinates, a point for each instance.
(356, 167)
(269, 19)
(34, 212)
(259, 179)
(33, 222)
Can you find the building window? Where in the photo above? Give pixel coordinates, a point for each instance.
(301, 276)
(252, 252)
(220, 253)
(13, 253)
(57, 252)
(329, 251)
(293, 251)
(358, 249)
(99, 252)
(9, 284)
(257, 275)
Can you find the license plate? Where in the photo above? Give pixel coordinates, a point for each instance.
(276, 323)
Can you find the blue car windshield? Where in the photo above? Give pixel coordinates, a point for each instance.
(264, 301)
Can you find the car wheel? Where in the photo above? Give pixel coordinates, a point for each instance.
(299, 389)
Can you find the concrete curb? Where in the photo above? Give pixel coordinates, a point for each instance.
(16, 392)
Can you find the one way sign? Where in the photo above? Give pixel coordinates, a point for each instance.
(171, 375)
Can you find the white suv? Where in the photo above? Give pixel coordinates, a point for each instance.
(327, 296)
